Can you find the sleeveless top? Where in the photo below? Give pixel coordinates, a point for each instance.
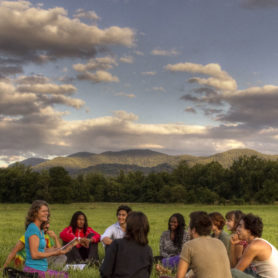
(269, 267)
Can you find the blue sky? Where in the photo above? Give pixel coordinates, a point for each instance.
(180, 77)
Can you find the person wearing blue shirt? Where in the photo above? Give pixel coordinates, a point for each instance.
(40, 264)
(36, 257)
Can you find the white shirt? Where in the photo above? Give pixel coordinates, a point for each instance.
(114, 232)
(268, 268)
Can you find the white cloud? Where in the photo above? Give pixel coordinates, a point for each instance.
(32, 32)
(102, 63)
(48, 88)
(46, 133)
(160, 52)
(122, 94)
(127, 59)
(139, 53)
(30, 94)
(219, 79)
(149, 73)
(81, 13)
(98, 76)
(159, 89)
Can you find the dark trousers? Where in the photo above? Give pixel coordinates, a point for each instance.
(79, 255)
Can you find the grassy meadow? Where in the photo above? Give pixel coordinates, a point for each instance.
(102, 215)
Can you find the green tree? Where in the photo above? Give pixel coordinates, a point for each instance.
(60, 186)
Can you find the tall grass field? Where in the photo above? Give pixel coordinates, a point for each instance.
(102, 215)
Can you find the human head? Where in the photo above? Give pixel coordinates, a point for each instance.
(45, 226)
(217, 220)
(34, 210)
(200, 221)
(137, 227)
(176, 221)
(250, 224)
(79, 221)
(122, 213)
(232, 219)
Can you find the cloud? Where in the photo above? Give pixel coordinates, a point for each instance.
(45, 133)
(36, 34)
(204, 99)
(254, 106)
(98, 76)
(27, 95)
(190, 110)
(159, 89)
(219, 98)
(122, 94)
(81, 13)
(219, 79)
(31, 80)
(102, 63)
(49, 88)
(149, 73)
(258, 4)
(99, 67)
(10, 70)
(139, 53)
(127, 59)
(160, 52)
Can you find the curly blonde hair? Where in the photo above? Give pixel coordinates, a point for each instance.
(33, 211)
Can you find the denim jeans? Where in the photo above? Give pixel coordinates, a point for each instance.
(239, 274)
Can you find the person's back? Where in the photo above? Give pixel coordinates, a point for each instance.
(207, 257)
(130, 256)
(130, 260)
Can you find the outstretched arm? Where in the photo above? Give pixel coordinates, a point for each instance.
(34, 249)
(18, 247)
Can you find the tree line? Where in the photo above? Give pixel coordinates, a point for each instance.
(249, 179)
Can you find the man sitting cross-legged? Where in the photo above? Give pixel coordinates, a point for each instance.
(206, 256)
(260, 255)
(117, 230)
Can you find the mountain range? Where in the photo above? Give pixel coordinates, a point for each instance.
(110, 163)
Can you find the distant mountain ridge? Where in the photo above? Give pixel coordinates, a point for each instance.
(32, 161)
(111, 163)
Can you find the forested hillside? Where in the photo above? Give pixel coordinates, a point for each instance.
(249, 179)
(111, 163)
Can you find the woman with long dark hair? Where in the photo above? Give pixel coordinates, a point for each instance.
(171, 241)
(36, 256)
(87, 248)
(130, 256)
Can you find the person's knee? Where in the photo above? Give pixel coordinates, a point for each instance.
(239, 274)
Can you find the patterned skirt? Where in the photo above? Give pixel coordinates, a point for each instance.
(47, 274)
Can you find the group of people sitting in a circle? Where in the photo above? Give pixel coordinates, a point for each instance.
(203, 250)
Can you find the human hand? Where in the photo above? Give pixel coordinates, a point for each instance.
(85, 242)
(51, 234)
(234, 239)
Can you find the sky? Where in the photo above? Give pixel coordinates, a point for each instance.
(175, 76)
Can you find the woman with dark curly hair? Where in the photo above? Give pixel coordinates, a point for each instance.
(171, 241)
(87, 249)
(36, 256)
